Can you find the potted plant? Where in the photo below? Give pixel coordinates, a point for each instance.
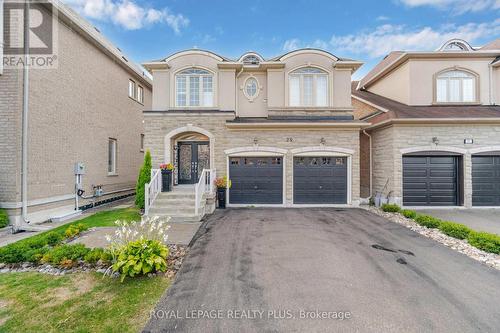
(222, 184)
(166, 177)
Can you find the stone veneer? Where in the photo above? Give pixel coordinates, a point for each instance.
(389, 141)
(158, 125)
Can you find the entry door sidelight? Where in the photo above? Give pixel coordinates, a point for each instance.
(193, 158)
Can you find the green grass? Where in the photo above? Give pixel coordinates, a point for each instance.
(100, 219)
(81, 302)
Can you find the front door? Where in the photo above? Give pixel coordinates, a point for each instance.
(193, 158)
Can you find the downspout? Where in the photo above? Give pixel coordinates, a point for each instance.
(24, 177)
(490, 78)
(236, 90)
(371, 162)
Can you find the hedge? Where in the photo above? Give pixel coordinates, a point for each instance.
(4, 218)
(427, 221)
(408, 213)
(485, 241)
(390, 208)
(455, 230)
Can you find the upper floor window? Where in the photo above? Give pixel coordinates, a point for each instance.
(131, 89)
(194, 87)
(308, 86)
(140, 94)
(456, 86)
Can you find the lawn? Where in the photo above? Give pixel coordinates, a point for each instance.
(81, 302)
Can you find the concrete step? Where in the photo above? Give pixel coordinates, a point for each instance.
(174, 201)
(176, 195)
(171, 210)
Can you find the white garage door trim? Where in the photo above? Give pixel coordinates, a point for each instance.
(327, 152)
(256, 151)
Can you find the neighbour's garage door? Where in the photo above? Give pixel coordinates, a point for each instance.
(430, 180)
(256, 180)
(486, 180)
(320, 180)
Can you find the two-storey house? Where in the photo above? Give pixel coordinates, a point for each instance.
(281, 129)
(435, 133)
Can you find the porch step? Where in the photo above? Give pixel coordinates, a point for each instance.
(171, 210)
(178, 204)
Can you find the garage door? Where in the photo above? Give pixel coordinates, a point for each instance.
(320, 180)
(430, 180)
(486, 180)
(256, 180)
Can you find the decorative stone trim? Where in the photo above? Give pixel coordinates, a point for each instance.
(484, 149)
(322, 149)
(433, 148)
(256, 148)
(188, 128)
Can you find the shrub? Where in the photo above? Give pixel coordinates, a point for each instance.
(53, 238)
(4, 218)
(144, 177)
(74, 230)
(485, 241)
(408, 213)
(141, 257)
(138, 248)
(390, 208)
(94, 255)
(454, 230)
(427, 221)
(61, 253)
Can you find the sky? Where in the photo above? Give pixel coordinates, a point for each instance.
(362, 30)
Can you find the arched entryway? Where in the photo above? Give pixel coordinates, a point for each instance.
(190, 149)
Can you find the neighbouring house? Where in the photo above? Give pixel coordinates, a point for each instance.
(88, 110)
(434, 138)
(282, 129)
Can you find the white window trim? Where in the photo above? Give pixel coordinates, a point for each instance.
(244, 88)
(200, 88)
(133, 90)
(475, 85)
(113, 172)
(140, 97)
(301, 87)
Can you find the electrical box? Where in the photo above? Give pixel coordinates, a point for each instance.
(79, 168)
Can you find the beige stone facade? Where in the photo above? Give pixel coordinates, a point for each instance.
(159, 125)
(391, 143)
(73, 111)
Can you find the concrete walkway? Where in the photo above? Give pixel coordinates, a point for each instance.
(476, 219)
(179, 234)
(6, 236)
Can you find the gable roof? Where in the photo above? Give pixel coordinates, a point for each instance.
(494, 45)
(389, 59)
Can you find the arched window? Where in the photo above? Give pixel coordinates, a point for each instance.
(308, 86)
(456, 86)
(194, 87)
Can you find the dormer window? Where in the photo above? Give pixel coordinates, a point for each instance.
(456, 86)
(251, 60)
(194, 87)
(308, 86)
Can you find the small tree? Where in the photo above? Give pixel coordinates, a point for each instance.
(144, 177)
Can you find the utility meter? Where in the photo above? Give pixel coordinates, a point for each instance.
(79, 168)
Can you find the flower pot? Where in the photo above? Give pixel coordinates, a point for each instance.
(221, 197)
(166, 180)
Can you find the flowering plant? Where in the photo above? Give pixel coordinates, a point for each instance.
(223, 182)
(139, 248)
(167, 166)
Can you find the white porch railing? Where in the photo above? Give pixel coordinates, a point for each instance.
(204, 185)
(152, 189)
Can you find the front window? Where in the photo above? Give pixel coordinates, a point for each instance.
(308, 87)
(140, 94)
(111, 156)
(194, 87)
(456, 86)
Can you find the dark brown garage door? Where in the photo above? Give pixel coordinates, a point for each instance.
(430, 180)
(320, 180)
(256, 180)
(486, 180)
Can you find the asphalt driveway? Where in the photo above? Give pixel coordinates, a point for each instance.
(277, 266)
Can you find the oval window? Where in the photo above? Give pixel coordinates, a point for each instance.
(251, 87)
